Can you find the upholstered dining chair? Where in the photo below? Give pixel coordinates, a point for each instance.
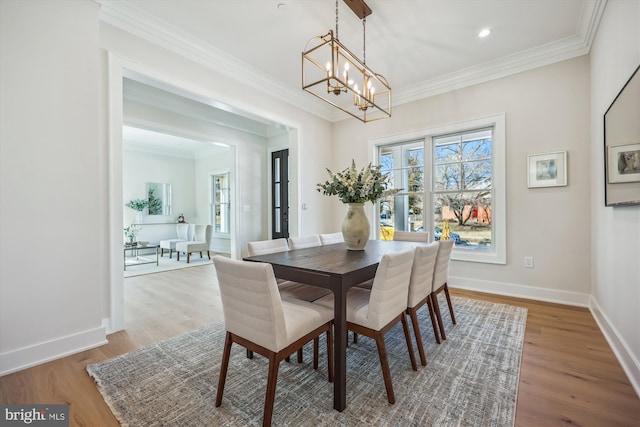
(440, 278)
(287, 288)
(302, 242)
(420, 287)
(411, 236)
(183, 236)
(374, 312)
(257, 318)
(331, 238)
(200, 243)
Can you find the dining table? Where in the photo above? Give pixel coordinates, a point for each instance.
(336, 268)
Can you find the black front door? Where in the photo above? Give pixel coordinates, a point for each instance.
(280, 193)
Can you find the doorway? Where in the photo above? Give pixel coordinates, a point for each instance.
(280, 194)
(119, 68)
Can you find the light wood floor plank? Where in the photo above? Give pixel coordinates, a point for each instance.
(569, 375)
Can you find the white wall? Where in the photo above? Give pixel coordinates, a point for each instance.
(546, 109)
(51, 210)
(615, 255)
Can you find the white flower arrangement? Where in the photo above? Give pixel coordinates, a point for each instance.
(353, 186)
(131, 232)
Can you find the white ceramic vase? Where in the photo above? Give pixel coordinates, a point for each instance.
(355, 227)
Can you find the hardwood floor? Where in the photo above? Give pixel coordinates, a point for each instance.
(569, 375)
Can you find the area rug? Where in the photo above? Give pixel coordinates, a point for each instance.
(471, 379)
(166, 264)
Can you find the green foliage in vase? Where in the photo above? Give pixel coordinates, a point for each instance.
(357, 186)
(131, 232)
(137, 204)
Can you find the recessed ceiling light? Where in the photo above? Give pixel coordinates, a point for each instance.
(484, 33)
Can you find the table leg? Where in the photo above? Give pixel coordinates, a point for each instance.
(340, 348)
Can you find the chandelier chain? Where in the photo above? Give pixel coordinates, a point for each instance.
(364, 40)
(337, 20)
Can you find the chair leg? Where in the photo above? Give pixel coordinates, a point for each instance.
(434, 323)
(272, 380)
(223, 368)
(209, 255)
(161, 252)
(446, 293)
(249, 354)
(355, 338)
(188, 257)
(436, 308)
(300, 355)
(413, 314)
(384, 364)
(407, 337)
(177, 255)
(200, 254)
(330, 353)
(316, 344)
(170, 253)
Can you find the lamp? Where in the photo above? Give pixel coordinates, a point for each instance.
(332, 73)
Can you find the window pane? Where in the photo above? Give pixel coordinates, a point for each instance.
(469, 216)
(446, 153)
(477, 175)
(447, 177)
(478, 149)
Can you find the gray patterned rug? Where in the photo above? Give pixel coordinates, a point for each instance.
(470, 380)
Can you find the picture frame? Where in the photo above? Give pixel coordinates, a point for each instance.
(623, 163)
(547, 169)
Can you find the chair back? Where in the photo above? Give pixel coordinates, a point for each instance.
(441, 271)
(251, 302)
(411, 236)
(263, 247)
(421, 283)
(304, 242)
(183, 231)
(331, 238)
(390, 288)
(202, 233)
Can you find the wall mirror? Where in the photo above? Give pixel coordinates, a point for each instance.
(159, 198)
(622, 146)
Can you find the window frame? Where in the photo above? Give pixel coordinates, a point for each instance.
(212, 202)
(499, 219)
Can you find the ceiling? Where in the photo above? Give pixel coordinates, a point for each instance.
(423, 47)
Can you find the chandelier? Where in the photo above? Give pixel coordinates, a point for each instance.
(332, 73)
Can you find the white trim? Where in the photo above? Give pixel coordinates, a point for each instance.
(46, 351)
(578, 299)
(619, 346)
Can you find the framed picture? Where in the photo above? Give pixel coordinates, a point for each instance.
(624, 163)
(547, 170)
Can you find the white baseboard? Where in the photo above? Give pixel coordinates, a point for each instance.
(26, 357)
(628, 361)
(521, 291)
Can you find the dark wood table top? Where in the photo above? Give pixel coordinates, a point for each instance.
(309, 265)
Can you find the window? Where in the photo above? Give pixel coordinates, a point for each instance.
(463, 188)
(220, 206)
(405, 165)
(452, 178)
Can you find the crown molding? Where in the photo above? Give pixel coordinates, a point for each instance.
(129, 18)
(561, 50)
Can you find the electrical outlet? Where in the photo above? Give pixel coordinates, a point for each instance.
(528, 262)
